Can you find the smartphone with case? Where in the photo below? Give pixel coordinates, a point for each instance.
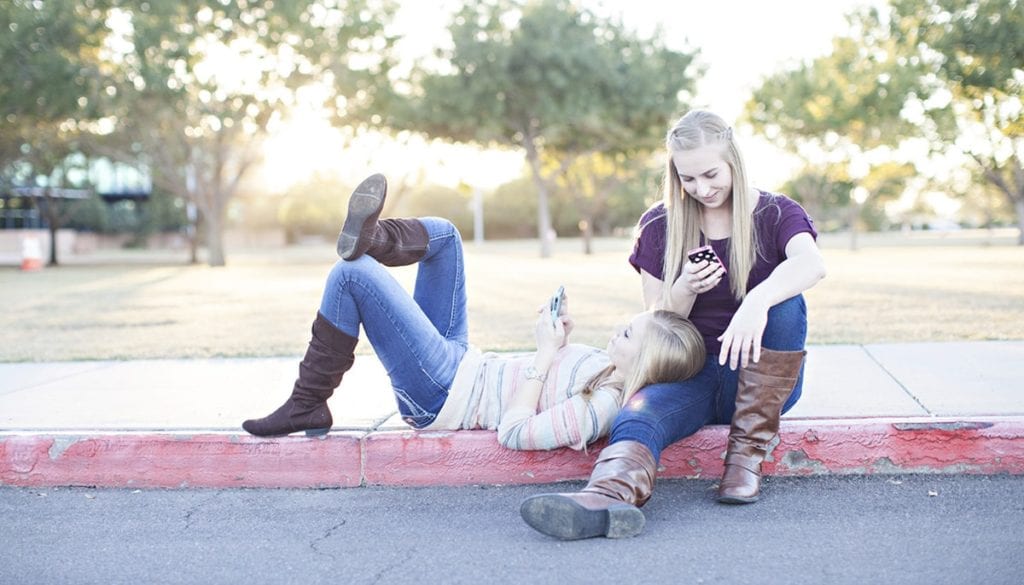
(705, 254)
(556, 303)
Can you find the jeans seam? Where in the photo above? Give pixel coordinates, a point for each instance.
(448, 233)
(371, 291)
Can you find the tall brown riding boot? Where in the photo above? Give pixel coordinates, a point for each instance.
(392, 242)
(762, 390)
(329, 356)
(609, 505)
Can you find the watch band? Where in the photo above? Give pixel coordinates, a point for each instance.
(533, 374)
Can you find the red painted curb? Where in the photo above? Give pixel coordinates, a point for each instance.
(409, 458)
(177, 461)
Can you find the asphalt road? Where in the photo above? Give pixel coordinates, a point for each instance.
(876, 529)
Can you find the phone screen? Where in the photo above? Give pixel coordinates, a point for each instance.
(556, 302)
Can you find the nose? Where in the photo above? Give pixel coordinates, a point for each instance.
(703, 188)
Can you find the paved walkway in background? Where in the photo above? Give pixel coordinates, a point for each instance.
(918, 407)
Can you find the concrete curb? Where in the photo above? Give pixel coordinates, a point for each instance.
(976, 445)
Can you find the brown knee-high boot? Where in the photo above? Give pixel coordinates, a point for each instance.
(762, 389)
(392, 242)
(609, 505)
(329, 356)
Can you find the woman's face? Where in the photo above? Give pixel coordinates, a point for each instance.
(624, 346)
(705, 175)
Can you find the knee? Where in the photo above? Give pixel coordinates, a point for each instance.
(786, 329)
(343, 270)
(439, 228)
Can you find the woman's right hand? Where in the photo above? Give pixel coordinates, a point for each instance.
(698, 278)
(551, 334)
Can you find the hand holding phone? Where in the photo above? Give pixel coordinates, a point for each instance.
(556, 303)
(705, 254)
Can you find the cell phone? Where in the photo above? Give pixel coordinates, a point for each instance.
(556, 302)
(705, 253)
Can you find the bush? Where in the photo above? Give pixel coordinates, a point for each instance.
(434, 200)
(313, 208)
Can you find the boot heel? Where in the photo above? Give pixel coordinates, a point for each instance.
(625, 521)
(317, 432)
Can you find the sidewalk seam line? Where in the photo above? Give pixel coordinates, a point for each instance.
(895, 379)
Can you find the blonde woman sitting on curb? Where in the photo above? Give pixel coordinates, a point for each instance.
(562, 395)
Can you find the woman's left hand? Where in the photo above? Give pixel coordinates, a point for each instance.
(741, 341)
(552, 334)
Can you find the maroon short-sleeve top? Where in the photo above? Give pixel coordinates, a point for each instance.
(778, 218)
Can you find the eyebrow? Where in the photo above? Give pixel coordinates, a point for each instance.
(714, 168)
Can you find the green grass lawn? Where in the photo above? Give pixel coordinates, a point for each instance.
(130, 305)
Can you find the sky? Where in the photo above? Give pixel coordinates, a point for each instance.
(740, 43)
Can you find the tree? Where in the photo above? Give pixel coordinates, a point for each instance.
(970, 91)
(843, 109)
(547, 77)
(824, 192)
(194, 85)
(592, 181)
(50, 76)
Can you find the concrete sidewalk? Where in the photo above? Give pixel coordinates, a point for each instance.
(922, 407)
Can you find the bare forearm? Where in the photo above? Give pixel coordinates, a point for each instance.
(790, 278)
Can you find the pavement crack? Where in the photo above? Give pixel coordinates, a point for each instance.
(189, 513)
(382, 574)
(315, 544)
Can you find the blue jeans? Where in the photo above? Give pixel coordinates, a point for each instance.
(661, 414)
(420, 339)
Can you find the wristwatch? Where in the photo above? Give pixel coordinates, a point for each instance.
(533, 373)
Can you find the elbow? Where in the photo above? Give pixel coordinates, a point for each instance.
(508, 438)
(821, 272)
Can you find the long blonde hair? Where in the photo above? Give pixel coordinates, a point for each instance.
(696, 129)
(671, 350)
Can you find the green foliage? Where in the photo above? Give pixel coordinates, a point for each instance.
(850, 98)
(314, 207)
(91, 215)
(559, 73)
(187, 87)
(551, 78)
(50, 52)
(510, 211)
(971, 93)
(50, 55)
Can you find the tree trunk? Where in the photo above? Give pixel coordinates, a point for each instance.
(854, 216)
(214, 222)
(588, 235)
(53, 244)
(48, 208)
(193, 244)
(1018, 204)
(543, 213)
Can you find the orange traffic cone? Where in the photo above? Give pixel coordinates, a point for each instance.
(31, 254)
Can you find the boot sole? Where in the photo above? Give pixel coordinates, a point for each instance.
(737, 499)
(564, 518)
(308, 432)
(366, 202)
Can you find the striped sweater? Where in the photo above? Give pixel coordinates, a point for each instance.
(485, 383)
